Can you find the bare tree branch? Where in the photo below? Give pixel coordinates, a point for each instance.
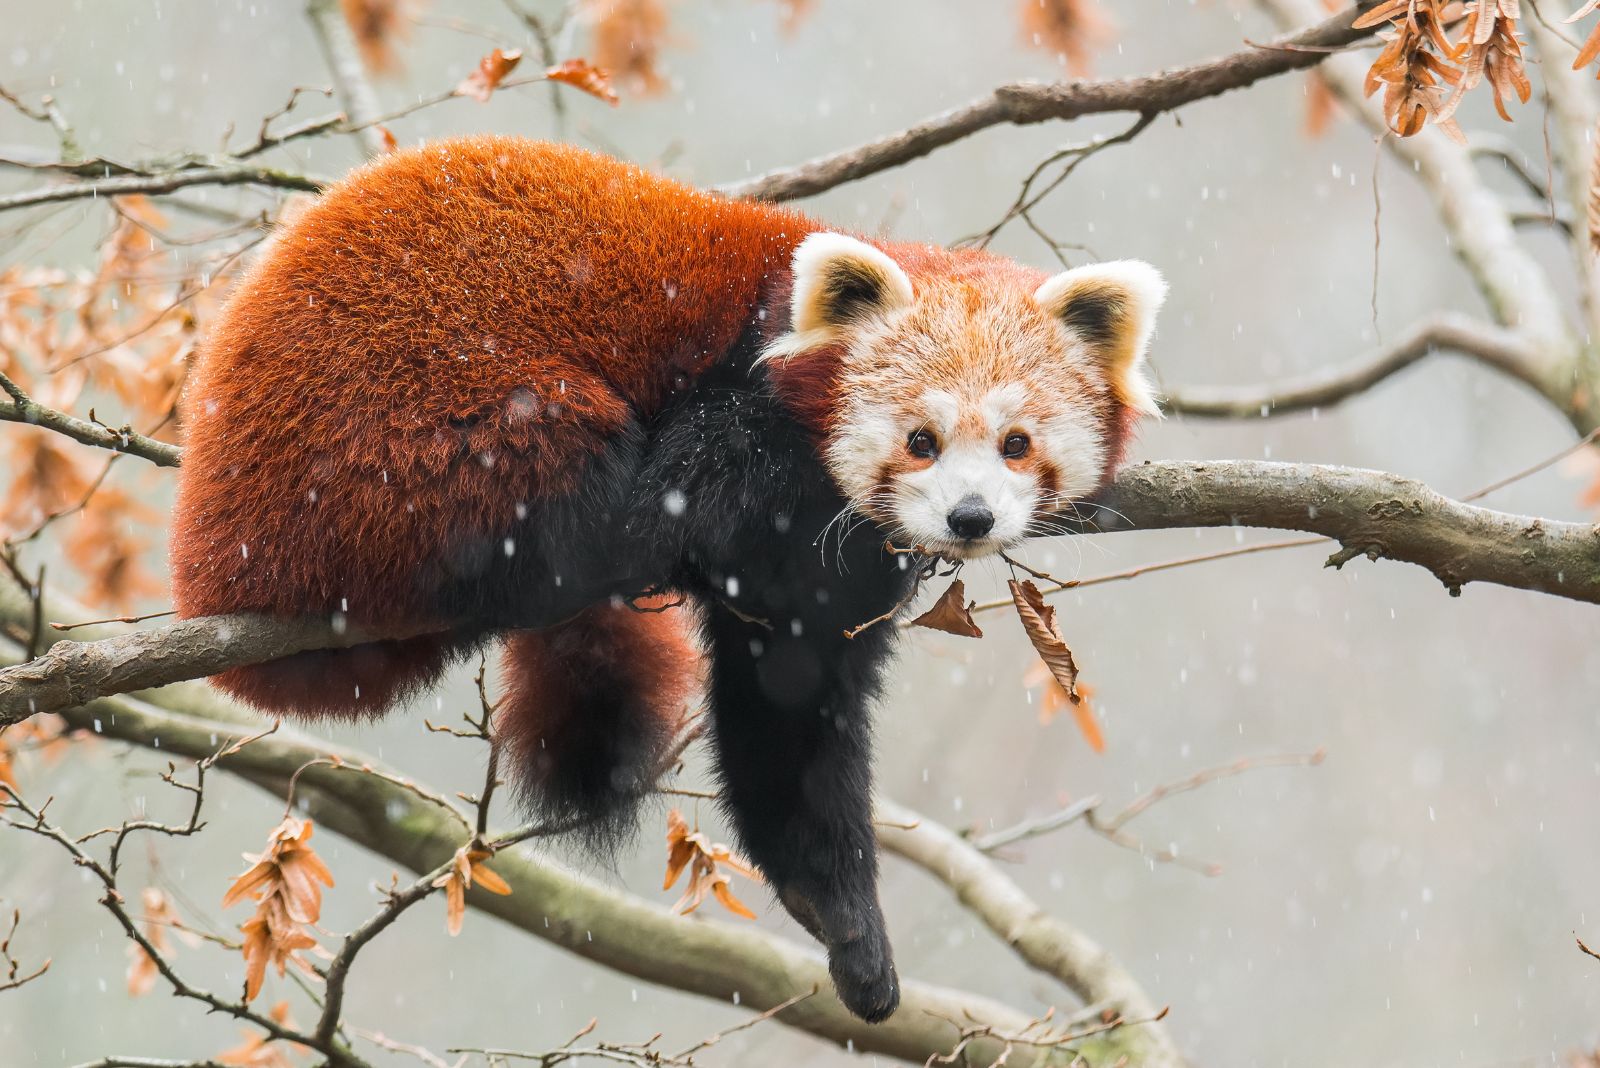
(169, 182)
(1501, 349)
(1024, 103)
(74, 672)
(1518, 290)
(1047, 943)
(21, 408)
(549, 901)
(1370, 513)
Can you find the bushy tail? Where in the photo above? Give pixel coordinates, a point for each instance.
(359, 682)
(590, 709)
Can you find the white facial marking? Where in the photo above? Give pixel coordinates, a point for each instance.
(968, 472)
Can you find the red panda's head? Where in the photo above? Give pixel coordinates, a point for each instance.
(961, 398)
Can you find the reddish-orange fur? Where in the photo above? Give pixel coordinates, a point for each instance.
(631, 669)
(369, 397)
(361, 305)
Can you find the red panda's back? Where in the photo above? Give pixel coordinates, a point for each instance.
(447, 332)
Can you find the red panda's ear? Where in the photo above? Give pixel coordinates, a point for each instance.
(840, 280)
(1111, 308)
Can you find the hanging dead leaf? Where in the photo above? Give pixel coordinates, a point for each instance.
(492, 70)
(258, 1051)
(711, 866)
(379, 27)
(1074, 30)
(1088, 723)
(1039, 621)
(951, 613)
(283, 882)
(1321, 106)
(628, 39)
(794, 12)
(467, 867)
(581, 74)
(160, 921)
(1054, 700)
(45, 737)
(1591, 46)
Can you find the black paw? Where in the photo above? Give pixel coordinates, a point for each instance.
(863, 974)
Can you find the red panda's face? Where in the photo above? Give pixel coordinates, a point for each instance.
(972, 404)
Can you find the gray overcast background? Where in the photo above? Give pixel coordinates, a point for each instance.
(1410, 902)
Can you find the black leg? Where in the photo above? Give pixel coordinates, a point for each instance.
(793, 738)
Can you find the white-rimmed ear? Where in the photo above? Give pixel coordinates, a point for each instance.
(839, 280)
(1111, 308)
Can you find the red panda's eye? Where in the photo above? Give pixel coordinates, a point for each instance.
(923, 444)
(1016, 445)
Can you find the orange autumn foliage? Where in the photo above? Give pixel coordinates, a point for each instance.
(1072, 29)
(283, 881)
(467, 868)
(711, 867)
(628, 38)
(585, 76)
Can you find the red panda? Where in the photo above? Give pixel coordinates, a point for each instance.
(516, 390)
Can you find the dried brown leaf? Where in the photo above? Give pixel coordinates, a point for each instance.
(1039, 622)
(1321, 105)
(581, 74)
(492, 70)
(951, 613)
(258, 1051)
(1074, 30)
(466, 868)
(380, 27)
(629, 36)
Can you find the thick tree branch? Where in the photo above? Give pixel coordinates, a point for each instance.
(74, 672)
(1501, 349)
(1023, 103)
(21, 408)
(1370, 513)
(551, 902)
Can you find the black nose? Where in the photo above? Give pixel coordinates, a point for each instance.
(970, 518)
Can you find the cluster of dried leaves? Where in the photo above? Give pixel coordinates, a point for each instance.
(1056, 670)
(1424, 73)
(628, 40)
(283, 882)
(711, 867)
(125, 332)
